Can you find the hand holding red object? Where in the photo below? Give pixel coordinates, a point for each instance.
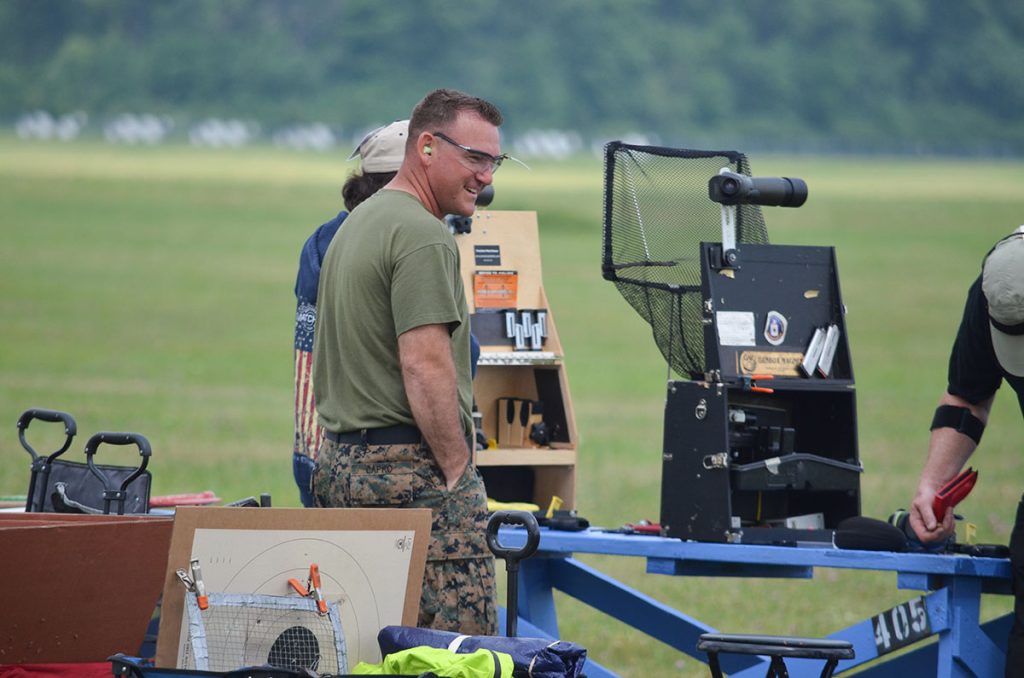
(953, 492)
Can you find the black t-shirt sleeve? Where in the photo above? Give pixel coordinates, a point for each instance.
(974, 372)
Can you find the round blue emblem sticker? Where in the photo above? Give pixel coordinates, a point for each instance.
(775, 328)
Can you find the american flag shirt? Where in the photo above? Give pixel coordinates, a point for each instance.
(308, 434)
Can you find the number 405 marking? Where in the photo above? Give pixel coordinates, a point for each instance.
(902, 625)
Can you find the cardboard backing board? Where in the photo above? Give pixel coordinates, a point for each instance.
(78, 588)
(371, 562)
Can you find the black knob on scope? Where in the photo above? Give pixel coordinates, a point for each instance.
(484, 197)
(459, 224)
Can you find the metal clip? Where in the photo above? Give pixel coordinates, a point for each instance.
(194, 584)
(712, 461)
(185, 579)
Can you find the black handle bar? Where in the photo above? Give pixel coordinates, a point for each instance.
(110, 493)
(70, 429)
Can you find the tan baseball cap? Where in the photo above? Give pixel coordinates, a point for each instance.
(1002, 281)
(383, 149)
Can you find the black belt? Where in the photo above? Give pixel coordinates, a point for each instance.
(399, 434)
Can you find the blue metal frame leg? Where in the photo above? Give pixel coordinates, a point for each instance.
(963, 648)
(675, 629)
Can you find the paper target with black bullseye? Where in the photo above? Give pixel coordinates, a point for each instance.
(364, 572)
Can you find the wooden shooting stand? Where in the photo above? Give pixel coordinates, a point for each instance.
(501, 270)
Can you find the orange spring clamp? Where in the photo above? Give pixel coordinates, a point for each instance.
(312, 588)
(750, 383)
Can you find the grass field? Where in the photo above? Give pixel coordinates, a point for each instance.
(150, 289)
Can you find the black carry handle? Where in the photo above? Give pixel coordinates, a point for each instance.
(70, 429)
(41, 465)
(524, 518)
(512, 557)
(110, 494)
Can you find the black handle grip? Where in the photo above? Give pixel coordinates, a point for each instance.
(70, 429)
(111, 493)
(110, 438)
(523, 518)
(47, 415)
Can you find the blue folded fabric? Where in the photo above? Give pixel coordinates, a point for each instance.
(533, 657)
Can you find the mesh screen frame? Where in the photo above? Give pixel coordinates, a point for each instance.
(229, 627)
(656, 214)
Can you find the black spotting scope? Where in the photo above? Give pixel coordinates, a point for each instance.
(730, 188)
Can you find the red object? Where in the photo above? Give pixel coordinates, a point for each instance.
(645, 528)
(77, 588)
(193, 499)
(953, 492)
(84, 670)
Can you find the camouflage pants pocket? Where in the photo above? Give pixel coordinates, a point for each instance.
(461, 521)
(391, 475)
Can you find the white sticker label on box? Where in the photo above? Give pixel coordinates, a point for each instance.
(735, 328)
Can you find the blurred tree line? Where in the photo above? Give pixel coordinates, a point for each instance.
(872, 75)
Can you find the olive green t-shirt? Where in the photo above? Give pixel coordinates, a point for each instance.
(392, 267)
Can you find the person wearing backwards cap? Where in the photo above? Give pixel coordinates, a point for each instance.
(989, 348)
(380, 153)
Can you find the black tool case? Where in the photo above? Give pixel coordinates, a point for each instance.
(763, 448)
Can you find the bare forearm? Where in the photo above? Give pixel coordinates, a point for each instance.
(434, 404)
(430, 385)
(948, 452)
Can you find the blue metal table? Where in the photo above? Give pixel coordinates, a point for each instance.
(950, 609)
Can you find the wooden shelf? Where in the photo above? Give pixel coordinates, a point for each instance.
(488, 357)
(525, 456)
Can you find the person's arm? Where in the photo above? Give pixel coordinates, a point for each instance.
(948, 452)
(428, 372)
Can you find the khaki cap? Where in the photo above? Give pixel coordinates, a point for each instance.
(1002, 281)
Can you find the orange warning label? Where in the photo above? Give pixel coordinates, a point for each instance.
(495, 289)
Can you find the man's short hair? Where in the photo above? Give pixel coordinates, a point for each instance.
(438, 109)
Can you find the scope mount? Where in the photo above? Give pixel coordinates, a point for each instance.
(730, 255)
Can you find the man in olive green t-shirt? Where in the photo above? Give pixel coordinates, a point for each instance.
(391, 368)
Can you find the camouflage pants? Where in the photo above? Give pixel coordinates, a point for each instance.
(459, 592)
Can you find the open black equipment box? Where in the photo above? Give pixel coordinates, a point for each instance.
(764, 448)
